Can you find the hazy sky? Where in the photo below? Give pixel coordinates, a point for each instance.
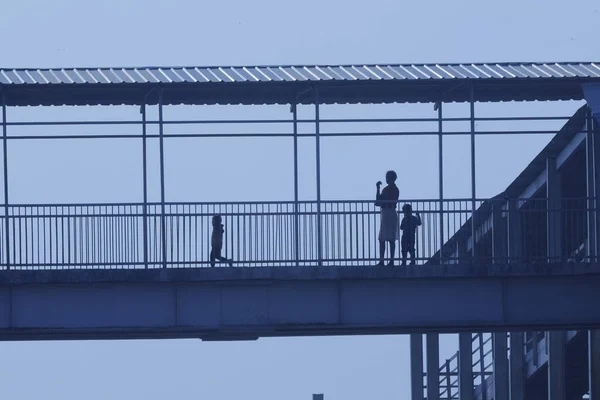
(145, 33)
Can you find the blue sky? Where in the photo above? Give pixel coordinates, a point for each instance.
(142, 33)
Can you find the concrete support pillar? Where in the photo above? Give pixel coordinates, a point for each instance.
(517, 366)
(500, 365)
(433, 366)
(556, 365)
(594, 364)
(465, 367)
(416, 366)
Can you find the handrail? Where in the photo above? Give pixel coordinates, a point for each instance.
(269, 233)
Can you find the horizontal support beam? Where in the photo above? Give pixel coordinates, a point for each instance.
(247, 303)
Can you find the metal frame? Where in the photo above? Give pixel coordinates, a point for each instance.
(5, 161)
(441, 173)
(473, 187)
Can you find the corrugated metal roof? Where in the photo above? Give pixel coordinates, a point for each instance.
(346, 84)
(383, 72)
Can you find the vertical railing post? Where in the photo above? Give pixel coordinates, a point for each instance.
(145, 183)
(318, 167)
(448, 380)
(441, 177)
(162, 179)
(473, 187)
(294, 108)
(5, 161)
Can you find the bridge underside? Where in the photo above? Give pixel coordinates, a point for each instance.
(247, 303)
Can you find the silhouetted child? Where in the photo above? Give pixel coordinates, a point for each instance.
(216, 242)
(409, 230)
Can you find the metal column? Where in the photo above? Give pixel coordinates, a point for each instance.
(433, 368)
(553, 207)
(594, 364)
(499, 251)
(145, 184)
(591, 245)
(556, 366)
(5, 160)
(514, 231)
(318, 161)
(590, 144)
(500, 367)
(294, 108)
(517, 366)
(441, 177)
(465, 367)
(416, 366)
(555, 339)
(473, 187)
(162, 179)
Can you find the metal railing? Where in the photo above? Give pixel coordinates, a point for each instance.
(483, 346)
(481, 367)
(258, 234)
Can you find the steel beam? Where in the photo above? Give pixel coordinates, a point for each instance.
(416, 366)
(473, 186)
(465, 367)
(514, 231)
(592, 240)
(433, 366)
(5, 162)
(162, 179)
(318, 171)
(294, 302)
(441, 175)
(145, 183)
(554, 211)
(296, 191)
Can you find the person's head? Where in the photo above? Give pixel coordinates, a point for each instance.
(216, 220)
(390, 177)
(407, 209)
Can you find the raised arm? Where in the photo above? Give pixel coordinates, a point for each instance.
(378, 195)
(418, 219)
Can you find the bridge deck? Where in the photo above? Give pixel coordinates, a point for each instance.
(247, 303)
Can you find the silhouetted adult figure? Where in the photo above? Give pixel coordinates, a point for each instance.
(387, 201)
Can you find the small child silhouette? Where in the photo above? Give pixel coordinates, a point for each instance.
(216, 242)
(409, 228)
